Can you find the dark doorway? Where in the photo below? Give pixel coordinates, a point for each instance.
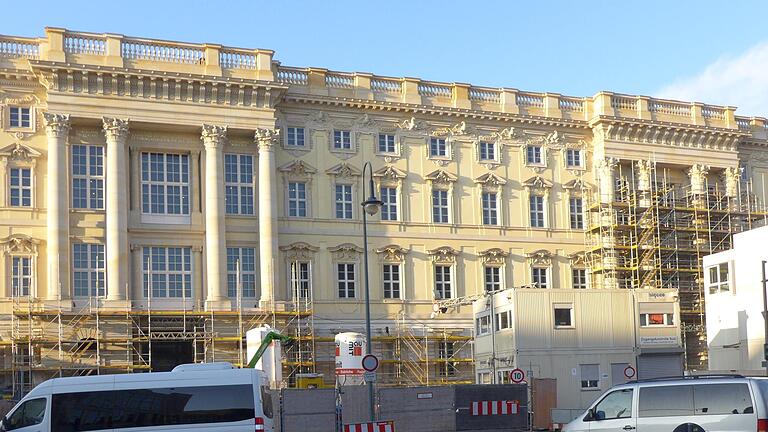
(168, 355)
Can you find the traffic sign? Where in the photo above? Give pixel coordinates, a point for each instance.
(369, 376)
(629, 372)
(370, 363)
(516, 376)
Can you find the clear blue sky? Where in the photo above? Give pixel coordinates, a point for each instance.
(570, 47)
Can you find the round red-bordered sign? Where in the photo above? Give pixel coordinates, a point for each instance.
(370, 363)
(516, 376)
(629, 372)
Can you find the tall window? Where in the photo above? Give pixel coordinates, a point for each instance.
(492, 278)
(391, 279)
(88, 270)
(439, 206)
(483, 325)
(487, 151)
(247, 259)
(20, 117)
(165, 183)
(20, 186)
(87, 177)
(389, 200)
(295, 136)
(387, 143)
(579, 278)
(21, 275)
(537, 211)
(168, 271)
(533, 155)
(297, 199)
(446, 352)
(300, 279)
(504, 320)
(576, 208)
(438, 147)
(443, 285)
(490, 209)
(238, 183)
(573, 158)
(343, 201)
(345, 279)
(342, 140)
(718, 278)
(539, 277)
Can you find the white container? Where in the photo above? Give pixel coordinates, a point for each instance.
(271, 362)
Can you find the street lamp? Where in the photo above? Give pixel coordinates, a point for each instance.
(371, 207)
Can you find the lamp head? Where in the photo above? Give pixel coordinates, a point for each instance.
(372, 205)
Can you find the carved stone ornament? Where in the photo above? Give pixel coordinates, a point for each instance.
(540, 257)
(346, 251)
(19, 153)
(576, 185)
(299, 251)
(555, 139)
(443, 255)
(731, 180)
(412, 124)
(115, 129)
(319, 120)
(389, 174)
(537, 182)
(644, 168)
(298, 169)
(461, 129)
(392, 253)
(16, 99)
(344, 170)
(605, 166)
(493, 256)
(698, 175)
(578, 259)
(214, 135)
(510, 134)
(20, 244)
(490, 180)
(266, 138)
(365, 122)
(441, 177)
(56, 125)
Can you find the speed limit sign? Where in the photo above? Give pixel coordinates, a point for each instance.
(516, 376)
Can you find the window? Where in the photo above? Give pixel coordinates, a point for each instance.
(616, 405)
(343, 201)
(439, 206)
(168, 271)
(87, 177)
(30, 413)
(88, 270)
(718, 278)
(576, 208)
(563, 316)
(492, 278)
(722, 399)
(657, 319)
(391, 274)
(238, 184)
(483, 325)
(487, 151)
(533, 155)
(443, 288)
(20, 117)
(165, 183)
(346, 280)
(342, 140)
(20, 187)
(539, 277)
(438, 147)
(537, 211)
(483, 377)
(590, 376)
(389, 206)
(445, 352)
(666, 401)
(300, 279)
(573, 158)
(490, 209)
(504, 320)
(297, 199)
(295, 137)
(579, 278)
(21, 275)
(247, 258)
(387, 143)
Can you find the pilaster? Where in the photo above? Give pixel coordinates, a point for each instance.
(214, 138)
(267, 139)
(116, 135)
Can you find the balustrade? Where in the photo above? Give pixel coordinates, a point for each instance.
(85, 44)
(19, 47)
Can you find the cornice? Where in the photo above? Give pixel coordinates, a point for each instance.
(669, 125)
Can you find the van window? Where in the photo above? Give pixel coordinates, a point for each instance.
(615, 405)
(29, 413)
(714, 399)
(87, 411)
(266, 402)
(666, 401)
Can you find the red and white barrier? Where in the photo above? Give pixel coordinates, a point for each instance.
(380, 426)
(484, 408)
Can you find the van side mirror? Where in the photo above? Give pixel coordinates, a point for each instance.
(590, 415)
(599, 415)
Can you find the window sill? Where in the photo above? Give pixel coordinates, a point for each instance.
(575, 167)
(241, 216)
(165, 219)
(565, 327)
(535, 165)
(87, 211)
(591, 389)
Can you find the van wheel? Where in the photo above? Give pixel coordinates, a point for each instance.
(689, 427)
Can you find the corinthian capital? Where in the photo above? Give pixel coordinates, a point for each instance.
(214, 135)
(266, 138)
(115, 129)
(56, 125)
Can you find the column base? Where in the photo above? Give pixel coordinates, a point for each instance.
(218, 305)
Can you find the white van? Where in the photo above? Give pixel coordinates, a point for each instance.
(212, 397)
(690, 404)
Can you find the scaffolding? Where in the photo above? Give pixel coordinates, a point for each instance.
(651, 232)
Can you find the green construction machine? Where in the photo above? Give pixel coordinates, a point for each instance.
(272, 336)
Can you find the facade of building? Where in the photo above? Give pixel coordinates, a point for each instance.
(159, 199)
(734, 298)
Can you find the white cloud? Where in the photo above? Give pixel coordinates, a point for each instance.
(740, 81)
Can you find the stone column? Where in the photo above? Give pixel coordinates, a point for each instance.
(644, 181)
(214, 138)
(57, 129)
(117, 248)
(698, 175)
(605, 171)
(731, 179)
(266, 140)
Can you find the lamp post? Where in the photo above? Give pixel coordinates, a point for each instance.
(371, 207)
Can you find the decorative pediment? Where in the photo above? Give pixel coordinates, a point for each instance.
(346, 251)
(393, 253)
(443, 255)
(344, 170)
(577, 185)
(298, 169)
(537, 182)
(412, 124)
(20, 153)
(390, 173)
(541, 257)
(20, 244)
(18, 99)
(441, 177)
(577, 259)
(490, 180)
(299, 251)
(493, 256)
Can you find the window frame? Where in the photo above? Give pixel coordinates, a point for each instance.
(719, 286)
(490, 211)
(20, 127)
(293, 131)
(348, 133)
(437, 141)
(576, 212)
(346, 281)
(535, 214)
(439, 286)
(246, 269)
(668, 320)
(148, 273)
(347, 206)
(483, 324)
(289, 200)
(589, 382)
(483, 155)
(386, 151)
(89, 178)
(164, 216)
(391, 284)
(241, 187)
(20, 187)
(531, 155)
(572, 316)
(499, 275)
(446, 350)
(296, 279)
(99, 273)
(31, 277)
(387, 205)
(576, 161)
(541, 270)
(498, 321)
(579, 284)
(438, 209)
